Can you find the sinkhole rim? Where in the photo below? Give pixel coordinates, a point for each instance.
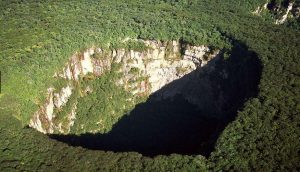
(257, 65)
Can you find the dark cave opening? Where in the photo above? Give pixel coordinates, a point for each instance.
(187, 115)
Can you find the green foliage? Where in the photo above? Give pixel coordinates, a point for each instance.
(61, 115)
(134, 71)
(102, 108)
(59, 83)
(278, 8)
(38, 37)
(226, 55)
(136, 46)
(101, 55)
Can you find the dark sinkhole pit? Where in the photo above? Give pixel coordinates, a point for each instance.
(187, 115)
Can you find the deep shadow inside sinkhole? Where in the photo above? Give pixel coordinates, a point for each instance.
(187, 115)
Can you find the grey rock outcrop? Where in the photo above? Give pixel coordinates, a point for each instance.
(281, 13)
(150, 70)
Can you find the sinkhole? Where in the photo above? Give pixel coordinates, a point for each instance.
(185, 116)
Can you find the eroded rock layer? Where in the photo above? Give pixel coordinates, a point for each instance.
(281, 12)
(151, 69)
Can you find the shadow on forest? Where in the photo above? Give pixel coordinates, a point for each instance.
(185, 116)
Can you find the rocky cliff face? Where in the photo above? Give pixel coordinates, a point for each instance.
(160, 64)
(281, 12)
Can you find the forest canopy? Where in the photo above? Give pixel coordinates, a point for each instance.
(38, 38)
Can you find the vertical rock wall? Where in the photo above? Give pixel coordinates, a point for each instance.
(159, 65)
(281, 12)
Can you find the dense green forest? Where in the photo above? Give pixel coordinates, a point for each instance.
(108, 100)
(37, 38)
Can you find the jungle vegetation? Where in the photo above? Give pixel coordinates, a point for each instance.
(38, 37)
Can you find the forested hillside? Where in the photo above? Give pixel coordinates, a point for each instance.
(38, 38)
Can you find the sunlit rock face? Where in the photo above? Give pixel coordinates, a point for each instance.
(282, 12)
(285, 15)
(155, 67)
(260, 9)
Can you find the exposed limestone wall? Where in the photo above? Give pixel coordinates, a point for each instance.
(61, 98)
(260, 9)
(285, 15)
(281, 13)
(150, 70)
(43, 119)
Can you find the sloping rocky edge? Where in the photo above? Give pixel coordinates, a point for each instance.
(282, 12)
(151, 69)
(187, 115)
